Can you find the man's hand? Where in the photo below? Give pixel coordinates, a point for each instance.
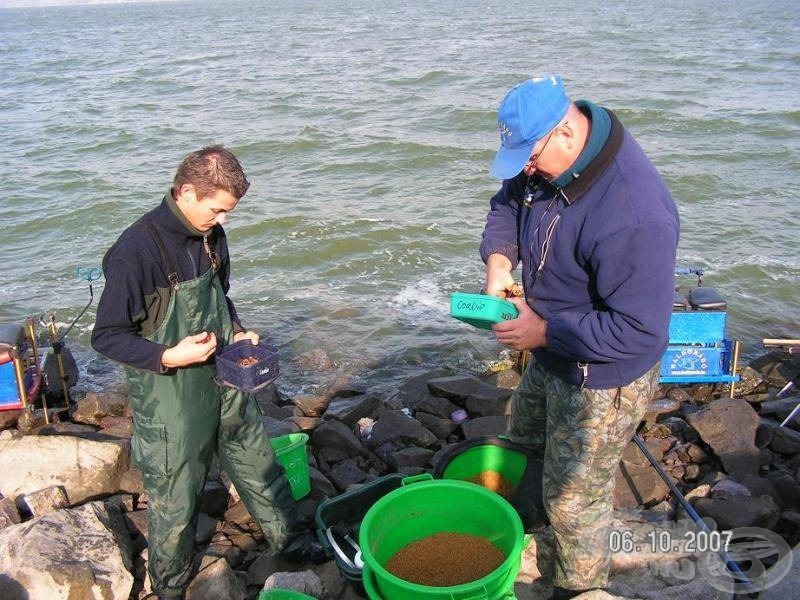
(498, 275)
(526, 332)
(193, 349)
(247, 335)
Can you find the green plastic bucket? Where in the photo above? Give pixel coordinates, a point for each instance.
(291, 452)
(424, 507)
(509, 463)
(283, 595)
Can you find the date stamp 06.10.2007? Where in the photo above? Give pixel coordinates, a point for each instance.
(742, 560)
(663, 541)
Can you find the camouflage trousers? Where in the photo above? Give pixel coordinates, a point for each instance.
(582, 434)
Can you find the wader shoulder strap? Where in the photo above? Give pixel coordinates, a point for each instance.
(172, 275)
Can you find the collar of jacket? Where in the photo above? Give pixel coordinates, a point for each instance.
(179, 224)
(601, 148)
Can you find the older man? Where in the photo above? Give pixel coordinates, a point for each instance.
(596, 230)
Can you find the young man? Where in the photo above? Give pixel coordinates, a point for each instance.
(163, 313)
(596, 230)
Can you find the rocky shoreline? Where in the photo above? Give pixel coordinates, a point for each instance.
(73, 511)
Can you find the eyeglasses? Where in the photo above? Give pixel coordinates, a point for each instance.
(533, 161)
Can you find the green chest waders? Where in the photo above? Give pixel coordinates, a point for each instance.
(181, 418)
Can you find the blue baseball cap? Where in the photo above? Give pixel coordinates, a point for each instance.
(527, 113)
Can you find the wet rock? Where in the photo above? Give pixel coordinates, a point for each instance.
(751, 382)
(84, 468)
(280, 412)
(321, 486)
(92, 408)
(305, 424)
(395, 426)
(205, 528)
(463, 388)
(660, 407)
(715, 424)
(760, 486)
(217, 581)
(350, 410)
(261, 568)
(415, 390)
(316, 361)
(507, 379)
(312, 406)
(730, 512)
(765, 432)
(214, 498)
(51, 557)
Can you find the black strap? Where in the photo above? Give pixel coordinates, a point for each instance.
(172, 275)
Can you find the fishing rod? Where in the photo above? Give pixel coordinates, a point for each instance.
(692, 513)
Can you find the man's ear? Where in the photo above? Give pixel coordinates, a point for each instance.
(186, 193)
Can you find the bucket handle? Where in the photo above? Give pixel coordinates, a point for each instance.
(480, 594)
(416, 479)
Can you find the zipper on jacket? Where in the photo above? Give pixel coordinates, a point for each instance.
(584, 367)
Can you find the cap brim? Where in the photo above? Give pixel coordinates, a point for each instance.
(509, 161)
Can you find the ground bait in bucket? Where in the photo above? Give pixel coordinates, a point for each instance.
(494, 481)
(445, 559)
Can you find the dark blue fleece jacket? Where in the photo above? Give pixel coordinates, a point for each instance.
(603, 277)
(137, 291)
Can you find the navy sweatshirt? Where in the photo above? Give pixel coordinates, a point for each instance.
(137, 292)
(604, 276)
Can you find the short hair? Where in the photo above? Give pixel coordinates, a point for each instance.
(210, 169)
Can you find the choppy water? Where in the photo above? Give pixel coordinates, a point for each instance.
(366, 128)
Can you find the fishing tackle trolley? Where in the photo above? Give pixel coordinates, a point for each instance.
(698, 350)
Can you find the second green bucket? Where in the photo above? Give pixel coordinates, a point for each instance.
(422, 508)
(291, 453)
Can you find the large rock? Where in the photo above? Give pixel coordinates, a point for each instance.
(217, 581)
(92, 408)
(395, 426)
(637, 484)
(479, 397)
(350, 410)
(729, 427)
(82, 552)
(730, 512)
(85, 468)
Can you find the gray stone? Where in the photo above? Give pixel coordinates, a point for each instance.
(715, 423)
(637, 484)
(465, 388)
(305, 582)
(205, 528)
(217, 581)
(337, 435)
(214, 498)
(730, 512)
(437, 406)
(45, 500)
(321, 486)
(81, 552)
(484, 426)
(439, 427)
(780, 409)
(85, 468)
(411, 457)
(9, 515)
(785, 441)
(9, 418)
(396, 427)
(277, 428)
(261, 568)
(787, 488)
(93, 407)
(414, 390)
(345, 474)
(787, 586)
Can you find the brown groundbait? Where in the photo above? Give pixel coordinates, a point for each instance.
(445, 559)
(494, 481)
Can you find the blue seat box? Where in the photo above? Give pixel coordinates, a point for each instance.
(693, 361)
(697, 327)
